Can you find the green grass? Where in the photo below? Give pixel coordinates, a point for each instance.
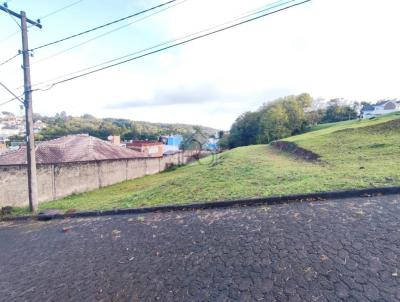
(354, 154)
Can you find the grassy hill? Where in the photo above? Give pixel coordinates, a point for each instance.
(353, 154)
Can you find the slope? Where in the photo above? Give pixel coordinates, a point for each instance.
(355, 154)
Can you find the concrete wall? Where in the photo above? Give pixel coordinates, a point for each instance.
(60, 180)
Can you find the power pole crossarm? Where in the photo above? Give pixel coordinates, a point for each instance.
(12, 13)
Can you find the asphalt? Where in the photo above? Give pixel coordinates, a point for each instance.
(336, 250)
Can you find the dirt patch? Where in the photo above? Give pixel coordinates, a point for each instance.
(295, 150)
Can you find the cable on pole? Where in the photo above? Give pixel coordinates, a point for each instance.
(41, 18)
(6, 38)
(171, 46)
(242, 16)
(102, 26)
(9, 101)
(9, 13)
(60, 9)
(106, 33)
(12, 93)
(9, 59)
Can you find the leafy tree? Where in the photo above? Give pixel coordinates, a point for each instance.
(336, 112)
(274, 123)
(245, 130)
(61, 124)
(223, 142)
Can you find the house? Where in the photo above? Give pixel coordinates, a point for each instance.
(380, 108)
(115, 139)
(174, 140)
(212, 144)
(69, 149)
(38, 126)
(147, 148)
(172, 143)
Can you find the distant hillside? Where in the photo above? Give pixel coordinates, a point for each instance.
(61, 125)
(350, 155)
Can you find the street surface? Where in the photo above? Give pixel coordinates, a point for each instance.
(338, 250)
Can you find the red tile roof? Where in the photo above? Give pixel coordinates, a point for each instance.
(71, 148)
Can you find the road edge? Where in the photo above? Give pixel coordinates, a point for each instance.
(308, 197)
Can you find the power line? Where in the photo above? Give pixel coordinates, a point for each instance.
(9, 59)
(11, 16)
(102, 26)
(60, 9)
(108, 32)
(9, 101)
(12, 93)
(242, 16)
(41, 18)
(173, 45)
(9, 36)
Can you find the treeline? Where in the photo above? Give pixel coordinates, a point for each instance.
(61, 124)
(284, 117)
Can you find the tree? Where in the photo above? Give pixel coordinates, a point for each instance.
(245, 130)
(223, 142)
(314, 117)
(274, 124)
(336, 112)
(281, 118)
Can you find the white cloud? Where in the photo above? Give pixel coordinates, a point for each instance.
(331, 49)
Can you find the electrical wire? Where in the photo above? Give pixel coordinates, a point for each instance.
(9, 59)
(15, 97)
(60, 9)
(106, 33)
(11, 16)
(102, 26)
(173, 45)
(9, 101)
(9, 91)
(242, 16)
(6, 38)
(41, 18)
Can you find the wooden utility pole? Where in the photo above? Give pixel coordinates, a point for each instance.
(30, 138)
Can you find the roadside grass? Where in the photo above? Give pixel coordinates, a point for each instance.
(354, 154)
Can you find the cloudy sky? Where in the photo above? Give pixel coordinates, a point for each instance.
(329, 48)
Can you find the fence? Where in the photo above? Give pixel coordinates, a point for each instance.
(60, 180)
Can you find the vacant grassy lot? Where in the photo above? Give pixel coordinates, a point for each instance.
(354, 154)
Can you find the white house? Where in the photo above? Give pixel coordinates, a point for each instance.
(380, 108)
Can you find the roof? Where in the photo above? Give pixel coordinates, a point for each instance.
(368, 108)
(383, 102)
(143, 143)
(71, 148)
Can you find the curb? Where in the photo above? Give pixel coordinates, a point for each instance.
(218, 204)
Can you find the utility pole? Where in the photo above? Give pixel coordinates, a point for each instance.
(30, 138)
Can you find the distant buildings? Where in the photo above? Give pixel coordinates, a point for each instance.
(172, 143)
(380, 108)
(115, 139)
(212, 144)
(38, 126)
(10, 125)
(69, 149)
(147, 148)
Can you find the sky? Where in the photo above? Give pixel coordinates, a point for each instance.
(328, 48)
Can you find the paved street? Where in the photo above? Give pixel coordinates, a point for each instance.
(318, 251)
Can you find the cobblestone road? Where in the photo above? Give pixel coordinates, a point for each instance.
(320, 251)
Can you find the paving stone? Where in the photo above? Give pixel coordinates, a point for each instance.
(319, 251)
